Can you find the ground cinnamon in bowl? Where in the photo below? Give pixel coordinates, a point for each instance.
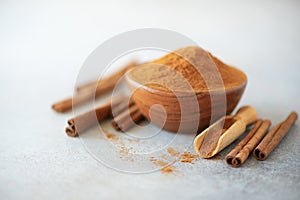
(188, 62)
(183, 82)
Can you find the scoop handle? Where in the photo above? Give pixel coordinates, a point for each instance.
(248, 114)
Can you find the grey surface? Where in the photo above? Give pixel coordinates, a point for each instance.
(42, 47)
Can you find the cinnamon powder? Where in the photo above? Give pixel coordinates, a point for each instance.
(173, 152)
(111, 136)
(186, 157)
(166, 168)
(171, 70)
(212, 137)
(210, 142)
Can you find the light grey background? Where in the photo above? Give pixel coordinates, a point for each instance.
(44, 43)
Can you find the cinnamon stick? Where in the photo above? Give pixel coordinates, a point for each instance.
(94, 89)
(84, 121)
(107, 82)
(77, 99)
(241, 152)
(122, 107)
(127, 119)
(273, 138)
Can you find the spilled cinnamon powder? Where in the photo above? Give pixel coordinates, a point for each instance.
(166, 167)
(133, 140)
(186, 157)
(124, 151)
(173, 152)
(111, 136)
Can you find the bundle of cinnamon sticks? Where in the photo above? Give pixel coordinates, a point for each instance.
(91, 90)
(257, 141)
(121, 109)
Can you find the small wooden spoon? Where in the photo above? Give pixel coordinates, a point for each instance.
(223, 132)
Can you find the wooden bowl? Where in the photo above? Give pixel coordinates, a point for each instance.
(184, 111)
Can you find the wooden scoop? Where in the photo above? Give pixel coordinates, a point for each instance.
(223, 132)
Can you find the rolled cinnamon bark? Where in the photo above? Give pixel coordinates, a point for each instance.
(89, 91)
(273, 138)
(127, 119)
(118, 109)
(77, 99)
(242, 151)
(84, 121)
(108, 81)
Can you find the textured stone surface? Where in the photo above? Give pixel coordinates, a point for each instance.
(42, 46)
